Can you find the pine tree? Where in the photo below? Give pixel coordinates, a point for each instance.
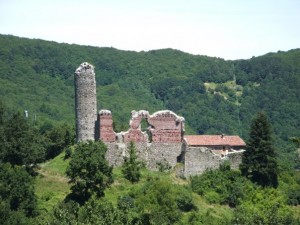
(131, 167)
(259, 161)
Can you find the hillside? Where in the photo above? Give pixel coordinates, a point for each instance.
(214, 95)
(52, 187)
(207, 206)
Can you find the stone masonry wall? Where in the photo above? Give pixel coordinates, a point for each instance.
(150, 153)
(85, 102)
(167, 135)
(199, 159)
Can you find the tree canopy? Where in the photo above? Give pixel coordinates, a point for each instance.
(21, 144)
(88, 171)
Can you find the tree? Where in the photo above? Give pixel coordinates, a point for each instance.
(131, 167)
(16, 190)
(157, 202)
(89, 171)
(58, 138)
(259, 161)
(21, 144)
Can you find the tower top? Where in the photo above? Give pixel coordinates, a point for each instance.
(84, 67)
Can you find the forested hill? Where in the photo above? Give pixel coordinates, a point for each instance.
(214, 95)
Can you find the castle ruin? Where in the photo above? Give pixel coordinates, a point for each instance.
(85, 102)
(162, 143)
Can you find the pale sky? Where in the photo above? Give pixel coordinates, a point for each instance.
(229, 29)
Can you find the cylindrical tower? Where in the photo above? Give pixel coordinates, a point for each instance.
(85, 102)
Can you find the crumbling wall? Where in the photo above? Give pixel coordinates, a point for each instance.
(135, 133)
(165, 147)
(235, 158)
(152, 154)
(199, 159)
(166, 127)
(106, 131)
(85, 102)
(163, 153)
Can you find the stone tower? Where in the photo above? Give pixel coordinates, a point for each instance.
(85, 102)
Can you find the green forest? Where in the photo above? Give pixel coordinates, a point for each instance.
(38, 155)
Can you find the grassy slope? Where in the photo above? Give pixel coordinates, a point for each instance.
(52, 187)
(51, 184)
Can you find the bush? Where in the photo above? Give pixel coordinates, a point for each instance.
(221, 186)
(184, 199)
(163, 166)
(68, 153)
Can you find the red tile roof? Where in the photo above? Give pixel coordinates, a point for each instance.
(214, 140)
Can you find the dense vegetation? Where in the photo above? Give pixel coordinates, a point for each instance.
(214, 95)
(98, 194)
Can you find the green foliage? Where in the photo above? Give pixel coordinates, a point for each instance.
(296, 141)
(264, 206)
(137, 203)
(37, 76)
(205, 218)
(1, 113)
(131, 167)
(290, 186)
(160, 202)
(65, 213)
(16, 192)
(88, 171)
(221, 186)
(163, 166)
(259, 161)
(21, 144)
(59, 137)
(68, 153)
(97, 212)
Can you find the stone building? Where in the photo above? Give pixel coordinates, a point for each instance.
(162, 143)
(204, 152)
(217, 144)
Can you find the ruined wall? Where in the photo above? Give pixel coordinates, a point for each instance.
(150, 153)
(105, 126)
(164, 144)
(199, 159)
(166, 127)
(235, 159)
(85, 102)
(165, 153)
(165, 147)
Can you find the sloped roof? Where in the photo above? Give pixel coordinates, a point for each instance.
(214, 140)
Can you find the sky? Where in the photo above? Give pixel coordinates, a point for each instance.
(229, 29)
